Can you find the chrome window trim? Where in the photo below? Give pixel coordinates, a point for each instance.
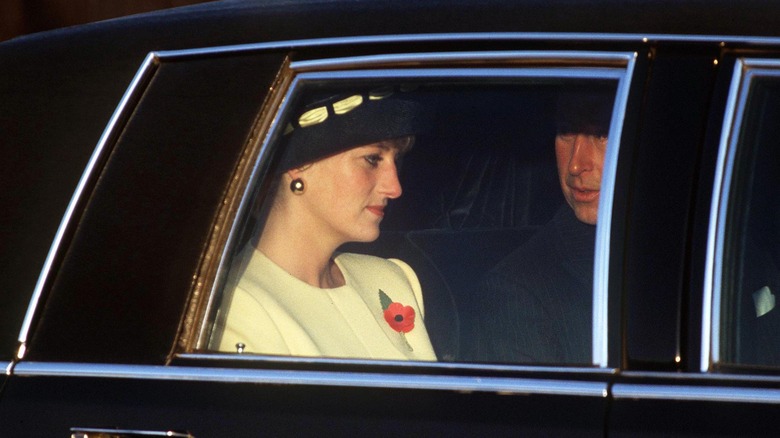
(604, 227)
(478, 36)
(745, 70)
(630, 391)
(285, 361)
(85, 432)
(89, 173)
(523, 72)
(616, 58)
(622, 74)
(710, 323)
(501, 385)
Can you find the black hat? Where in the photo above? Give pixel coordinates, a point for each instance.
(586, 111)
(338, 123)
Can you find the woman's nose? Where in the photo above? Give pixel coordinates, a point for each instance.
(390, 184)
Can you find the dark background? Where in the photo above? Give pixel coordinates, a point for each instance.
(19, 17)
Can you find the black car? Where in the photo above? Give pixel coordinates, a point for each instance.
(138, 152)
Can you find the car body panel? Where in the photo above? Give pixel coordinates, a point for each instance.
(101, 345)
(218, 402)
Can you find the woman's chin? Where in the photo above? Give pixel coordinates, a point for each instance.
(368, 236)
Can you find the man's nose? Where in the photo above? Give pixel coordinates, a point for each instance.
(390, 185)
(581, 155)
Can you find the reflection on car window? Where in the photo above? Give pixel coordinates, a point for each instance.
(487, 194)
(750, 319)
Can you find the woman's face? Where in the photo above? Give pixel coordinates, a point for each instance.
(346, 194)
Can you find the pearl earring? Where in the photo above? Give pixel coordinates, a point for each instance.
(297, 187)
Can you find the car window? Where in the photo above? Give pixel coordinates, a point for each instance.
(491, 231)
(484, 208)
(749, 319)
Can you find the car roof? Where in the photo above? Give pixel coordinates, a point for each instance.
(240, 21)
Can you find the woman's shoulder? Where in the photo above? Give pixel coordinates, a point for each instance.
(354, 262)
(365, 261)
(371, 272)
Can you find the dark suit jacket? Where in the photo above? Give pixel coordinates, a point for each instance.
(536, 304)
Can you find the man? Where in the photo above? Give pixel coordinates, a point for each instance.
(536, 304)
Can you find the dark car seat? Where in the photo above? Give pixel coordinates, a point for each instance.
(477, 184)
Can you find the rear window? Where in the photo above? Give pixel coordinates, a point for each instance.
(749, 331)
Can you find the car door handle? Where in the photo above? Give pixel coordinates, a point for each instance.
(87, 432)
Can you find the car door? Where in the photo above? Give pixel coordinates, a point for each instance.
(701, 357)
(119, 337)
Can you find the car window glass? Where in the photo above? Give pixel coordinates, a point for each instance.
(482, 215)
(750, 321)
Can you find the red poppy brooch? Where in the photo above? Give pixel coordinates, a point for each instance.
(399, 317)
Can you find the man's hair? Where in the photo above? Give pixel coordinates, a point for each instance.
(585, 110)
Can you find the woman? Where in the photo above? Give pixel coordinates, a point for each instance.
(296, 296)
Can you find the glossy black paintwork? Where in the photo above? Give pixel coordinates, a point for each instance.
(666, 160)
(226, 409)
(129, 262)
(150, 213)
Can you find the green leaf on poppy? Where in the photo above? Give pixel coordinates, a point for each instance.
(384, 300)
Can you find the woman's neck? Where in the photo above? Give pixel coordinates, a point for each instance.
(295, 249)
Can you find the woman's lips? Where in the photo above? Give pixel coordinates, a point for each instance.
(376, 209)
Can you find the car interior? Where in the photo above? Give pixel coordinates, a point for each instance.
(751, 337)
(477, 184)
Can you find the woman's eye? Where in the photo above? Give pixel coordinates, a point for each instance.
(373, 159)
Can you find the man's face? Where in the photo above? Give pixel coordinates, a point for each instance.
(580, 160)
